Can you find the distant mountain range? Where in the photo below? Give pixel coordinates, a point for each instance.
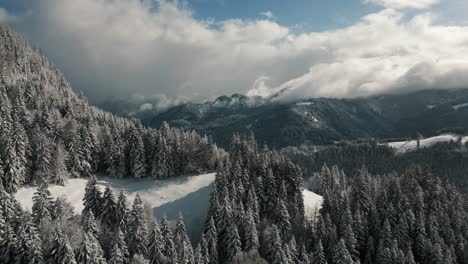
(322, 120)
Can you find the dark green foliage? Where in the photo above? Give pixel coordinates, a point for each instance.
(407, 218)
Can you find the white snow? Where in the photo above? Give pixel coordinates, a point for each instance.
(312, 203)
(154, 193)
(188, 195)
(456, 107)
(411, 145)
(304, 103)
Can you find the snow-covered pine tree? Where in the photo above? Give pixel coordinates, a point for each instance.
(211, 235)
(319, 254)
(341, 254)
(136, 154)
(42, 161)
(90, 225)
(59, 172)
(283, 220)
(8, 244)
(275, 248)
(155, 245)
(90, 251)
(250, 232)
(121, 212)
(72, 145)
(204, 248)
(92, 199)
(28, 248)
(182, 243)
(198, 255)
(61, 251)
(270, 193)
(169, 248)
(109, 208)
(119, 252)
(137, 228)
(232, 242)
(14, 172)
(42, 203)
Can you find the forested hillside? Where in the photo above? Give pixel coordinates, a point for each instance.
(321, 121)
(50, 133)
(412, 217)
(447, 160)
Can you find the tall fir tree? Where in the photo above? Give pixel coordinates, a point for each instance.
(92, 200)
(119, 252)
(42, 204)
(61, 251)
(138, 228)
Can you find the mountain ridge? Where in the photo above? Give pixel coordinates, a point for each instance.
(322, 120)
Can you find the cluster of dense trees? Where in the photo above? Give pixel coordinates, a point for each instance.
(106, 232)
(256, 207)
(409, 218)
(47, 132)
(447, 160)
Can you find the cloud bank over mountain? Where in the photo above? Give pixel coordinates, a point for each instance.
(120, 48)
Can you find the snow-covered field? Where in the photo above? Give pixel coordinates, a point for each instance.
(312, 203)
(188, 195)
(405, 146)
(458, 106)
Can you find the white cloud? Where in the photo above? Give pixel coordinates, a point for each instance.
(267, 14)
(124, 47)
(6, 17)
(402, 4)
(382, 53)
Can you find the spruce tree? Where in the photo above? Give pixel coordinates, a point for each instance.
(212, 241)
(59, 171)
(42, 204)
(183, 246)
(121, 212)
(136, 154)
(109, 208)
(169, 248)
(319, 254)
(156, 245)
(119, 252)
(283, 220)
(61, 251)
(90, 251)
(275, 248)
(92, 199)
(232, 242)
(250, 232)
(29, 244)
(138, 229)
(341, 254)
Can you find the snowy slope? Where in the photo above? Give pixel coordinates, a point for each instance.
(189, 195)
(312, 202)
(405, 146)
(154, 193)
(458, 106)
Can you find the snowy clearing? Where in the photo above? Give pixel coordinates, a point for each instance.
(154, 193)
(456, 107)
(188, 195)
(304, 103)
(405, 146)
(312, 203)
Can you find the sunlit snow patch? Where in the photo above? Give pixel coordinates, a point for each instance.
(411, 145)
